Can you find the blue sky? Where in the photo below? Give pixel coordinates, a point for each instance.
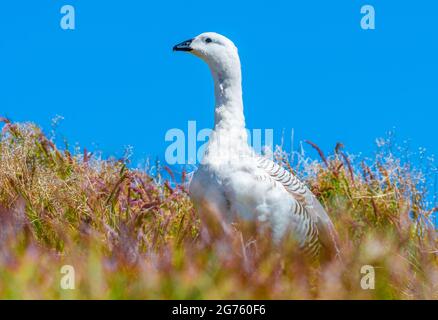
(307, 65)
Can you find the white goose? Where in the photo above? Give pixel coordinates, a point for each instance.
(232, 180)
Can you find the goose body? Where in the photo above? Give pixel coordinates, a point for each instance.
(235, 182)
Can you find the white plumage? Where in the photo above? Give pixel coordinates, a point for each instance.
(232, 179)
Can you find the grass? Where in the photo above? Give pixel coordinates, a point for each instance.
(129, 235)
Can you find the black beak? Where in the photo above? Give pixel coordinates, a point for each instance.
(183, 46)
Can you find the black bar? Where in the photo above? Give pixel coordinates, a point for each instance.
(221, 309)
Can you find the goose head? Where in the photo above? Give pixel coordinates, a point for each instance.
(217, 51)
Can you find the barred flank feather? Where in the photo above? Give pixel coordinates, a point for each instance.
(316, 228)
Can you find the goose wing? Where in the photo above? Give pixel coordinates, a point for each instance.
(326, 231)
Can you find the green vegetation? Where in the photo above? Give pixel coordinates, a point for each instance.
(127, 235)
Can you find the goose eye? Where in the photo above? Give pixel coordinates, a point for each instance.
(208, 40)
